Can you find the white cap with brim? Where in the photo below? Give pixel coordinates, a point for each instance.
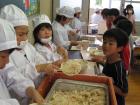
(7, 35)
(14, 14)
(40, 19)
(77, 9)
(66, 11)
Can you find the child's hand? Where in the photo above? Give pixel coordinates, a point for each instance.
(71, 33)
(58, 63)
(119, 91)
(63, 52)
(134, 32)
(77, 30)
(74, 43)
(97, 58)
(84, 44)
(39, 99)
(34, 95)
(50, 69)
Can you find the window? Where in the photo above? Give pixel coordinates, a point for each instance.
(115, 4)
(99, 4)
(105, 4)
(71, 3)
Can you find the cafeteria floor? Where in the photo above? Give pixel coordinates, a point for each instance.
(133, 97)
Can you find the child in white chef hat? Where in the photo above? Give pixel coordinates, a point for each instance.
(76, 23)
(43, 34)
(10, 79)
(28, 61)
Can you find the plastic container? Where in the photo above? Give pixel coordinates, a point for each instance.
(48, 81)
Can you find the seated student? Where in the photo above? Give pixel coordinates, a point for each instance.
(113, 42)
(27, 60)
(126, 26)
(10, 79)
(60, 35)
(43, 41)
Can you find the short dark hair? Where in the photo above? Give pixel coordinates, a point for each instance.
(119, 35)
(36, 32)
(114, 12)
(105, 12)
(75, 14)
(60, 17)
(125, 25)
(129, 6)
(118, 19)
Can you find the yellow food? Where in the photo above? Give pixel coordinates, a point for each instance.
(97, 52)
(78, 97)
(71, 67)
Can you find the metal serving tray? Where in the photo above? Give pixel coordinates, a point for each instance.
(67, 85)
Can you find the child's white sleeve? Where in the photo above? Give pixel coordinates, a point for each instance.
(38, 58)
(9, 102)
(16, 81)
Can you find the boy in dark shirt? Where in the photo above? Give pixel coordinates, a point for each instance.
(113, 42)
(127, 53)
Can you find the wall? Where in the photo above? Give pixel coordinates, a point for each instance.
(138, 28)
(45, 8)
(56, 4)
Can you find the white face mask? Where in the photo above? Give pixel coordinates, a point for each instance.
(46, 40)
(130, 11)
(23, 44)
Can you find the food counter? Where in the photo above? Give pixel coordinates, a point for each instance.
(86, 77)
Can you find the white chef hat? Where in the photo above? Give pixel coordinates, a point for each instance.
(40, 19)
(66, 11)
(7, 35)
(14, 14)
(77, 9)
